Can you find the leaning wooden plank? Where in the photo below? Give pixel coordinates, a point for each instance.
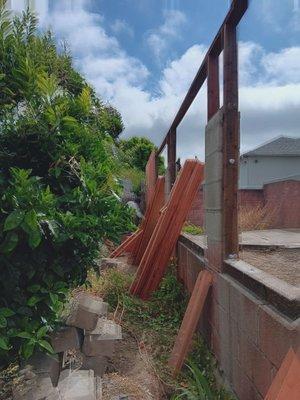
(160, 233)
(286, 384)
(190, 321)
(164, 252)
(170, 228)
(160, 250)
(151, 219)
(128, 245)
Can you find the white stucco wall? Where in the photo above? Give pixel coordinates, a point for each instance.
(255, 171)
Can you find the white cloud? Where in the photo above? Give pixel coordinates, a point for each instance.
(283, 67)
(159, 39)
(120, 26)
(269, 84)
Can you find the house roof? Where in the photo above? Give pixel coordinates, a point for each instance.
(281, 146)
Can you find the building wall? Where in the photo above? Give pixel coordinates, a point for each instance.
(280, 199)
(196, 214)
(259, 170)
(248, 337)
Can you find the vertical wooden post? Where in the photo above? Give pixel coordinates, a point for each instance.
(213, 86)
(172, 157)
(231, 143)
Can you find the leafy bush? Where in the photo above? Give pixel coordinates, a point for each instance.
(136, 152)
(58, 190)
(193, 229)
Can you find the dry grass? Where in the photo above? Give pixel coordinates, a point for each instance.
(256, 218)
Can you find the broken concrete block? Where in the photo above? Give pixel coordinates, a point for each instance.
(45, 365)
(66, 338)
(93, 345)
(85, 311)
(92, 304)
(77, 385)
(81, 318)
(98, 364)
(37, 389)
(107, 329)
(107, 263)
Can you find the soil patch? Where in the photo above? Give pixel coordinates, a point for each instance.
(282, 263)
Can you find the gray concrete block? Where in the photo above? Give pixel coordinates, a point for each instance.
(214, 134)
(213, 196)
(214, 167)
(92, 303)
(213, 225)
(107, 329)
(77, 385)
(45, 365)
(93, 345)
(81, 318)
(36, 389)
(107, 263)
(98, 364)
(66, 338)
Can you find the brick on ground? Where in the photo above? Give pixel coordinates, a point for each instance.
(35, 389)
(107, 263)
(85, 311)
(45, 365)
(77, 385)
(66, 338)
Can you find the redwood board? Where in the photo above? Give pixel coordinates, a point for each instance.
(165, 235)
(190, 321)
(286, 384)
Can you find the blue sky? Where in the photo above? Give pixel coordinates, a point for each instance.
(141, 55)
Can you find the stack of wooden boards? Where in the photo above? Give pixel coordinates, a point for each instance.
(163, 240)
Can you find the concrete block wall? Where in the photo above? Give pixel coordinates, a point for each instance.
(213, 189)
(280, 197)
(248, 337)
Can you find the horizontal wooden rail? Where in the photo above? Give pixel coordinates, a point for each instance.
(235, 14)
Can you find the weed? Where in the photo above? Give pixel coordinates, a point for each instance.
(193, 229)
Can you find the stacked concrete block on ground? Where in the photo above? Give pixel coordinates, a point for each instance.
(84, 347)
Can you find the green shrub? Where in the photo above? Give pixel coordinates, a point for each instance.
(57, 181)
(193, 229)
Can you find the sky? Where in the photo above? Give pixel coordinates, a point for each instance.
(141, 57)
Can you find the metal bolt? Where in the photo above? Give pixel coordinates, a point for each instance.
(233, 256)
(231, 161)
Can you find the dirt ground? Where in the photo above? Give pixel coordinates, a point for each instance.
(282, 263)
(131, 373)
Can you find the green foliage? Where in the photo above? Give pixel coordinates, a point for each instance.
(137, 150)
(197, 385)
(193, 229)
(57, 182)
(199, 376)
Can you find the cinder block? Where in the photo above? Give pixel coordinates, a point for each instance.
(85, 311)
(221, 290)
(66, 338)
(244, 309)
(242, 385)
(214, 167)
(81, 318)
(214, 134)
(98, 364)
(107, 263)
(93, 346)
(36, 389)
(213, 195)
(77, 385)
(106, 329)
(214, 254)
(213, 225)
(276, 335)
(93, 304)
(45, 365)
